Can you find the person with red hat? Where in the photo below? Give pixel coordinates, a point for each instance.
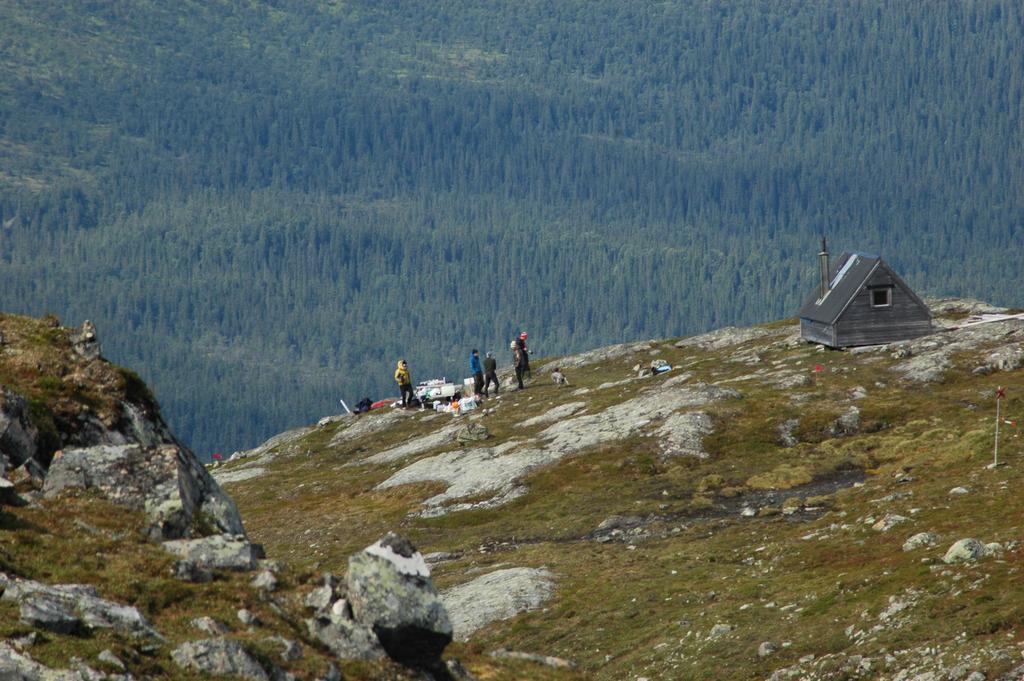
(522, 358)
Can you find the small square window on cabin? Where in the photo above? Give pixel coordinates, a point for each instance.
(881, 297)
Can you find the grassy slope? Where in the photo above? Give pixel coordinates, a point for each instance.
(89, 541)
(86, 540)
(646, 607)
(641, 606)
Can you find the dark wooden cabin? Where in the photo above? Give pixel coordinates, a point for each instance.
(861, 301)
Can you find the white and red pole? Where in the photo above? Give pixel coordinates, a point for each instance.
(1000, 394)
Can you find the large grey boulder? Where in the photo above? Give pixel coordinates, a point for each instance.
(848, 423)
(965, 551)
(73, 608)
(219, 657)
(167, 482)
(17, 434)
(496, 596)
(217, 552)
(45, 611)
(390, 592)
(920, 540)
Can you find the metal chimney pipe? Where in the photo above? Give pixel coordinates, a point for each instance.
(823, 265)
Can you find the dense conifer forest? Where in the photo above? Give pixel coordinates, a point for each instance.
(263, 204)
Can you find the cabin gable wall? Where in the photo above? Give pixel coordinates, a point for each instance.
(863, 323)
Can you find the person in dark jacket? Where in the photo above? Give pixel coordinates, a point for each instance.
(477, 371)
(521, 357)
(491, 374)
(526, 355)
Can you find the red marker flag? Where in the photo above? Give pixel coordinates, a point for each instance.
(1000, 392)
(818, 368)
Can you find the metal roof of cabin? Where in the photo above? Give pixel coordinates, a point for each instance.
(847, 275)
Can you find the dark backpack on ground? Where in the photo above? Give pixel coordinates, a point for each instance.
(363, 405)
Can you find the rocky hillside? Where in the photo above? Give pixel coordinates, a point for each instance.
(766, 509)
(121, 557)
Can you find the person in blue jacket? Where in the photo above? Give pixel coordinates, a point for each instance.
(478, 372)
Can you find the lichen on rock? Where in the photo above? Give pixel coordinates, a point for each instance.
(167, 482)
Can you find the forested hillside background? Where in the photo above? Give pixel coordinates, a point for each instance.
(263, 204)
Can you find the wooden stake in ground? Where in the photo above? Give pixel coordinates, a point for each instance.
(1000, 394)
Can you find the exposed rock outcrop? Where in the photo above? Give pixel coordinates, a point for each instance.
(219, 657)
(683, 434)
(554, 415)
(604, 354)
(73, 608)
(367, 424)
(931, 356)
(1007, 358)
(417, 445)
(85, 342)
(496, 596)
(627, 418)
(217, 552)
(496, 470)
(18, 666)
(728, 336)
(167, 482)
(81, 399)
(252, 462)
(472, 472)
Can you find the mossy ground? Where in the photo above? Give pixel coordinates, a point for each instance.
(646, 607)
(641, 605)
(38, 362)
(84, 540)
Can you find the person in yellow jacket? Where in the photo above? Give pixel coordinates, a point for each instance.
(404, 380)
